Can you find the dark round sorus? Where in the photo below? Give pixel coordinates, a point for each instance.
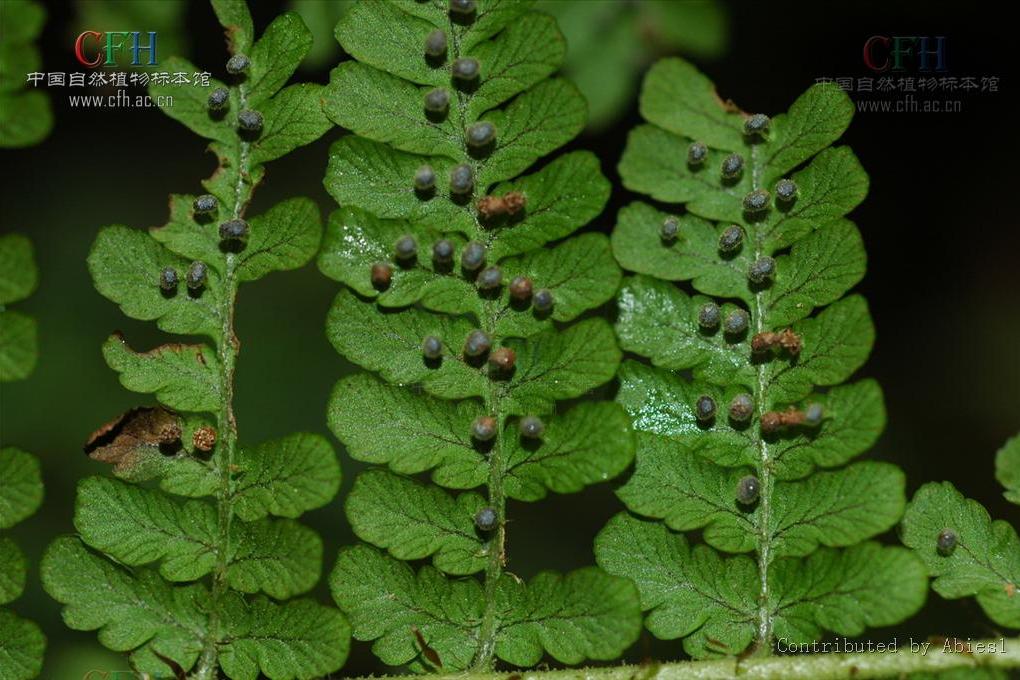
(520, 288)
(736, 322)
(234, 230)
(669, 230)
(762, 270)
(478, 343)
(168, 279)
(424, 178)
(503, 359)
(732, 165)
(218, 99)
(747, 489)
(405, 248)
(757, 124)
(382, 274)
(697, 153)
(249, 121)
(442, 251)
(435, 43)
(731, 238)
(786, 190)
(432, 347)
(542, 299)
(483, 428)
(473, 256)
(466, 68)
(486, 519)
(238, 63)
(205, 204)
(490, 278)
(704, 408)
(709, 315)
(531, 427)
(480, 134)
(437, 100)
(946, 542)
(462, 179)
(741, 408)
(197, 275)
(756, 201)
(462, 7)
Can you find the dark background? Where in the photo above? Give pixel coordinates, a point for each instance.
(940, 226)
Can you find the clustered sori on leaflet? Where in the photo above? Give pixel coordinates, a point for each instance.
(479, 138)
(234, 232)
(737, 321)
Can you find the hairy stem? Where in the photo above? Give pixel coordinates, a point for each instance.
(995, 653)
(764, 641)
(226, 424)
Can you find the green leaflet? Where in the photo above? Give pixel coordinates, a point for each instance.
(21, 642)
(414, 521)
(184, 377)
(293, 118)
(550, 366)
(588, 444)
(294, 639)
(133, 610)
(410, 433)
(22, 490)
(444, 248)
(25, 114)
(276, 55)
(659, 321)
(180, 572)
(611, 42)
(580, 273)
(836, 344)
(710, 601)
(743, 401)
(566, 616)
(1007, 468)
(18, 279)
(138, 526)
(285, 237)
(17, 263)
(125, 265)
(836, 508)
(985, 561)
(13, 570)
(21, 646)
(285, 477)
(662, 403)
(137, 611)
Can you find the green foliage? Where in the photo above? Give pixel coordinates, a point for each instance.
(25, 114)
(1007, 468)
(419, 414)
(21, 642)
(745, 431)
(183, 573)
(18, 332)
(981, 559)
(611, 42)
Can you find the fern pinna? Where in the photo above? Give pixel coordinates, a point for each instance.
(193, 576)
(21, 488)
(744, 429)
(457, 304)
(967, 552)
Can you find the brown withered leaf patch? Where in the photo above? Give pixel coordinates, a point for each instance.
(509, 204)
(124, 441)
